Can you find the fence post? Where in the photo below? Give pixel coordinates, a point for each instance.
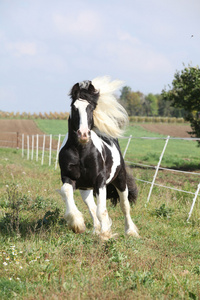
(58, 147)
(32, 147)
(22, 144)
(27, 147)
(157, 168)
(50, 146)
(37, 146)
(127, 146)
(17, 140)
(193, 203)
(43, 149)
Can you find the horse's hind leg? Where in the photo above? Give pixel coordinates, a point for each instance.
(102, 214)
(73, 216)
(130, 227)
(87, 196)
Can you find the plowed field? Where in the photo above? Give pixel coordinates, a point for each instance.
(175, 130)
(11, 133)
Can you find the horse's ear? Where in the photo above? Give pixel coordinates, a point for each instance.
(75, 91)
(92, 89)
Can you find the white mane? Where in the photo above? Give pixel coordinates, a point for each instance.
(109, 116)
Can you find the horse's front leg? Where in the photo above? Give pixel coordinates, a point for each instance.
(102, 214)
(87, 196)
(73, 216)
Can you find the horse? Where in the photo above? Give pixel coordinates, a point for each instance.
(90, 158)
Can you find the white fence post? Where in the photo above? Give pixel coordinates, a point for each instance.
(50, 146)
(127, 146)
(37, 146)
(157, 168)
(22, 144)
(43, 149)
(32, 147)
(58, 147)
(27, 146)
(194, 200)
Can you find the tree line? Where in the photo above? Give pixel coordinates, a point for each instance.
(151, 105)
(181, 99)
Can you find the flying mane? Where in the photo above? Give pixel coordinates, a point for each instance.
(110, 117)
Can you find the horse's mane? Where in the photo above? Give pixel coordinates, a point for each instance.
(110, 117)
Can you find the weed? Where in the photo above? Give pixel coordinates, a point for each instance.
(14, 200)
(140, 278)
(196, 270)
(162, 211)
(39, 203)
(50, 218)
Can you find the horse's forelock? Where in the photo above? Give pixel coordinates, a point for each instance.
(84, 90)
(84, 84)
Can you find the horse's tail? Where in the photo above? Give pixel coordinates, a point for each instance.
(112, 193)
(132, 188)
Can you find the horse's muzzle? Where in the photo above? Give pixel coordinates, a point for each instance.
(83, 135)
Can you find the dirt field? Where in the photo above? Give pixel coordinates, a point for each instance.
(175, 130)
(21, 126)
(11, 131)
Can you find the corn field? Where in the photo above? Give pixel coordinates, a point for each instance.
(65, 115)
(24, 115)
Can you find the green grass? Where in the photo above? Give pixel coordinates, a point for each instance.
(52, 126)
(41, 258)
(179, 153)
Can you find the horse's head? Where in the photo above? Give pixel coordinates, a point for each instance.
(84, 101)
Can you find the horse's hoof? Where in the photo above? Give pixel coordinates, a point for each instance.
(79, 229)
(132, 233)
(97, 231)
(75, 223)
(108, 235)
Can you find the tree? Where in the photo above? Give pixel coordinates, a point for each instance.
(166, 110)
(134, 107)
(123, 97)
(185, 93)
(151, 105)
(133, 102)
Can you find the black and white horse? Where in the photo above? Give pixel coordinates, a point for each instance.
(90, 158)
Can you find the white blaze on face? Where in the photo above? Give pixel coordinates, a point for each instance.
(83, 130)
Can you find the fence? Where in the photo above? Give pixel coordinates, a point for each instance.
(50, 145)
(45, 144)
(10, 140)
(157, 167)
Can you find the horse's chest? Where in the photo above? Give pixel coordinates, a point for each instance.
(90, 166)
(89, 171)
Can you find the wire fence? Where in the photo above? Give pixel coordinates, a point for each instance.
(45, 149)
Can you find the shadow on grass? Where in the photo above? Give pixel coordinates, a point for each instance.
(10, 225)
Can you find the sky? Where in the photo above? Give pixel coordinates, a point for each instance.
(46, 46)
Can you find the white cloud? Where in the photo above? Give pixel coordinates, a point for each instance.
(83, 23)
(22, 48)
(132, 54)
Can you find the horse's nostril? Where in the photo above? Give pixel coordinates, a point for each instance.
(83, 134)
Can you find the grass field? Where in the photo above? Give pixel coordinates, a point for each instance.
(41, 258)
